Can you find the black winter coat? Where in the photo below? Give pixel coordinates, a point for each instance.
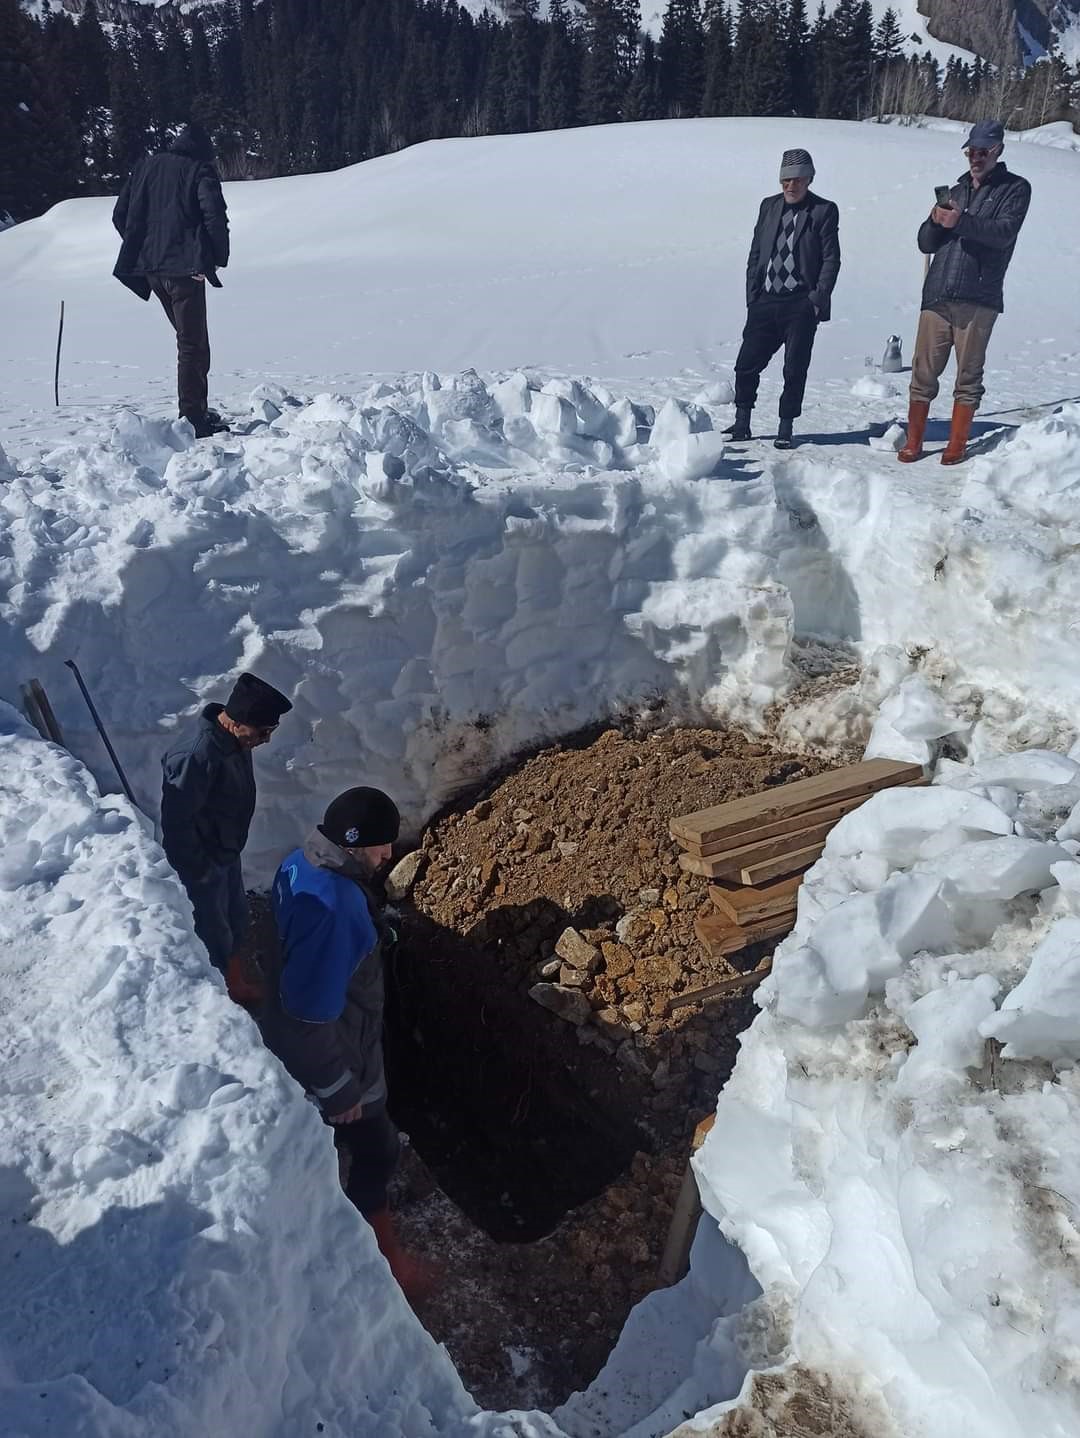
(172, 219)
(970, 261)
(207, 799)
(817, 249)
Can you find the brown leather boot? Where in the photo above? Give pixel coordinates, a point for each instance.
(416, 1276)
(956, 449)
(918, 414)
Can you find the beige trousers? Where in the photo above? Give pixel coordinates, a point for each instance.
(952, 326)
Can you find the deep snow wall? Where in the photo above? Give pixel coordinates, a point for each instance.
(178, 1256)
(440, 572)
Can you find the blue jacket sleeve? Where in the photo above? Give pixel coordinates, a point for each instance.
(187, 780)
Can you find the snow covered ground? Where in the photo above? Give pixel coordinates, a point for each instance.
(440, 562)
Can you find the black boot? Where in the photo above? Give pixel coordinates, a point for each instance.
(741, 428)
(206, 424)
(784, 435)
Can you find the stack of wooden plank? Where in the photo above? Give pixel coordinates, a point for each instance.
(756, 849)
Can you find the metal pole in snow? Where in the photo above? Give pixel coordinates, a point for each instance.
(56, 372)
(100, 728)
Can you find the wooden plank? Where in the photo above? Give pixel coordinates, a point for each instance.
(722, 938)
(37, 689)
(684, 1220)
(793, 862)
(739, 816)
(735, 985)
(715, 861)
(778, 829)
(730, 864)
(750, 906)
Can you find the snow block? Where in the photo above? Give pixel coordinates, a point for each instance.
(1040, 1019)
(512, 396)
(695, 457)
(998, 869)
(677, 421)
(551, 414)
(720, 391)
(947, 1023)
(898, 823)
(856, 947)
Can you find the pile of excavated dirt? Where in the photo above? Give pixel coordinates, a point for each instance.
(547, 925)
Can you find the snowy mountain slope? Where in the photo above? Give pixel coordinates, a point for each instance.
(913, 22)
(616, 251)
(403, 550)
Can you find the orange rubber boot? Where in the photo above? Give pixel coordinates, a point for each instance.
(918, 414)
(956, 449)
(416, 1276)
(242, 985)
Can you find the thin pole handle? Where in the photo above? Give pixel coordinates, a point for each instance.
(100, 728)
(56, 371)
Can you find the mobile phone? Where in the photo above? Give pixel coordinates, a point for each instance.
(943, 196)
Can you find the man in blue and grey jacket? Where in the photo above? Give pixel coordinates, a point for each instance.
(324, 1009)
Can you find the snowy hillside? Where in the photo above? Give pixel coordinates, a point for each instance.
(475, 494)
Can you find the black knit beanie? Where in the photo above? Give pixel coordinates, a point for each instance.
(361, 819)
(255, 703)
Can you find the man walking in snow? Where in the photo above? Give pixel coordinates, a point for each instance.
(175, 231)
(972, 241)
(324, 1009)
(790, 275)
(207, 800)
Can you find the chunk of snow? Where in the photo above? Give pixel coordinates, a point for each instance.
(695, 457)
(867, 387)
(892, 441)
(1041, 1017)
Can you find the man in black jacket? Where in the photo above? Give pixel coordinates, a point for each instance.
(172, 219)
(972, 241)
(207, 800)
(790, 275)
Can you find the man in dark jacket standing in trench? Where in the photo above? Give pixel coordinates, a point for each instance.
(971, 241)
(790, 275)
(207, 800)
(324, 1008)
(175, 231)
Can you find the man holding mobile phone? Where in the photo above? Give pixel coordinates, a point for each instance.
(971, 239)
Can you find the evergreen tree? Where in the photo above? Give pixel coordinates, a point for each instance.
(559, 72)
(681, 59)
(888, 43)
(39, 156)
(129, 114)
(606, 72)
(716, 99)
(643, 97)
(519, 99)
(799, 58)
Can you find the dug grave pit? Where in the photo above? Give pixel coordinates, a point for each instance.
(561, 1136)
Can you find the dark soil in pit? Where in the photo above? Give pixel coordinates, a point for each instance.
(556, 1147)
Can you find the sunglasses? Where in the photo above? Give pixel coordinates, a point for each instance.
(978, 154)
(265, 730)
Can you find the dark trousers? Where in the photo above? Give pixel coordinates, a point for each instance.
(770, 323)
(221, 912)
(183, 298)
(373, 1148)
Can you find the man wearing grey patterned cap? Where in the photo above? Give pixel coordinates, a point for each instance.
(793, 265)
